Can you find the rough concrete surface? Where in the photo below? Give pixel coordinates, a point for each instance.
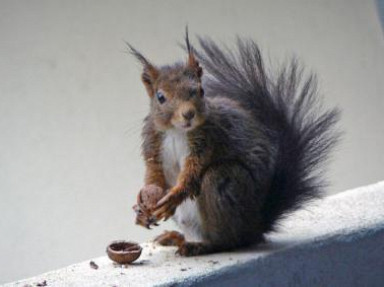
(336, 241)
(72, 105)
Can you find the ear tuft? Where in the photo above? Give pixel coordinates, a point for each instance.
(192, 61)
(150, 72)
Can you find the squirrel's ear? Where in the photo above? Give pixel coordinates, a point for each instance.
(149, 76)
(150, 72)
(192, 61)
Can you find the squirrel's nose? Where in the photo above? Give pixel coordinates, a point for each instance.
(189, 115)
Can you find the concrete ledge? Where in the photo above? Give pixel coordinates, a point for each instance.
(337, 241)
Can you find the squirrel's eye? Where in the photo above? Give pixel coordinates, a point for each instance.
(160, 97)
(201, 92)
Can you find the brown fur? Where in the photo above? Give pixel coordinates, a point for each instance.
(151, 152)
(253, 144)
(181, 86)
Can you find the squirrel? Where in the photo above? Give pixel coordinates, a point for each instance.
(235, 150)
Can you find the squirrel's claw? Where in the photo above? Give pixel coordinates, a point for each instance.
(164, 199)
(165, 211)
(166, 206)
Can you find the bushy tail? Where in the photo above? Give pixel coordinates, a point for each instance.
(288, 108)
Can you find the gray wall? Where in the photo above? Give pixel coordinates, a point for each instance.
(71, 106)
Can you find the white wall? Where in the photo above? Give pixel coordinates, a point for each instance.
(71, 105)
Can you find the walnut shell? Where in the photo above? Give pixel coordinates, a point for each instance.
(123, 252)
(149, 196)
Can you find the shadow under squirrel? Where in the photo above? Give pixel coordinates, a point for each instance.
(234, 151)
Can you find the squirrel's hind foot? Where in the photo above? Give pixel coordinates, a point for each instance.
(170, 238)
(174, 238)
(195, 248)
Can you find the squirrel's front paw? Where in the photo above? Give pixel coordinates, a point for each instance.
(147, 200)
(166, 206)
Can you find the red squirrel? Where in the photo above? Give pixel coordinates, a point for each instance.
(235, 150)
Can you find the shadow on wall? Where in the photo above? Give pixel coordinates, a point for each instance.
(380, 10)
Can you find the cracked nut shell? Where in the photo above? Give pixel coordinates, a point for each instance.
(147, 200)
(150, 195)
(123, 252)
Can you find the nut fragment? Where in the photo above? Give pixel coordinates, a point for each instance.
(93, 265)
(123, 252)
(147, 199)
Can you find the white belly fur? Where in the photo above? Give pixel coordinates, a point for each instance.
(174, 151)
